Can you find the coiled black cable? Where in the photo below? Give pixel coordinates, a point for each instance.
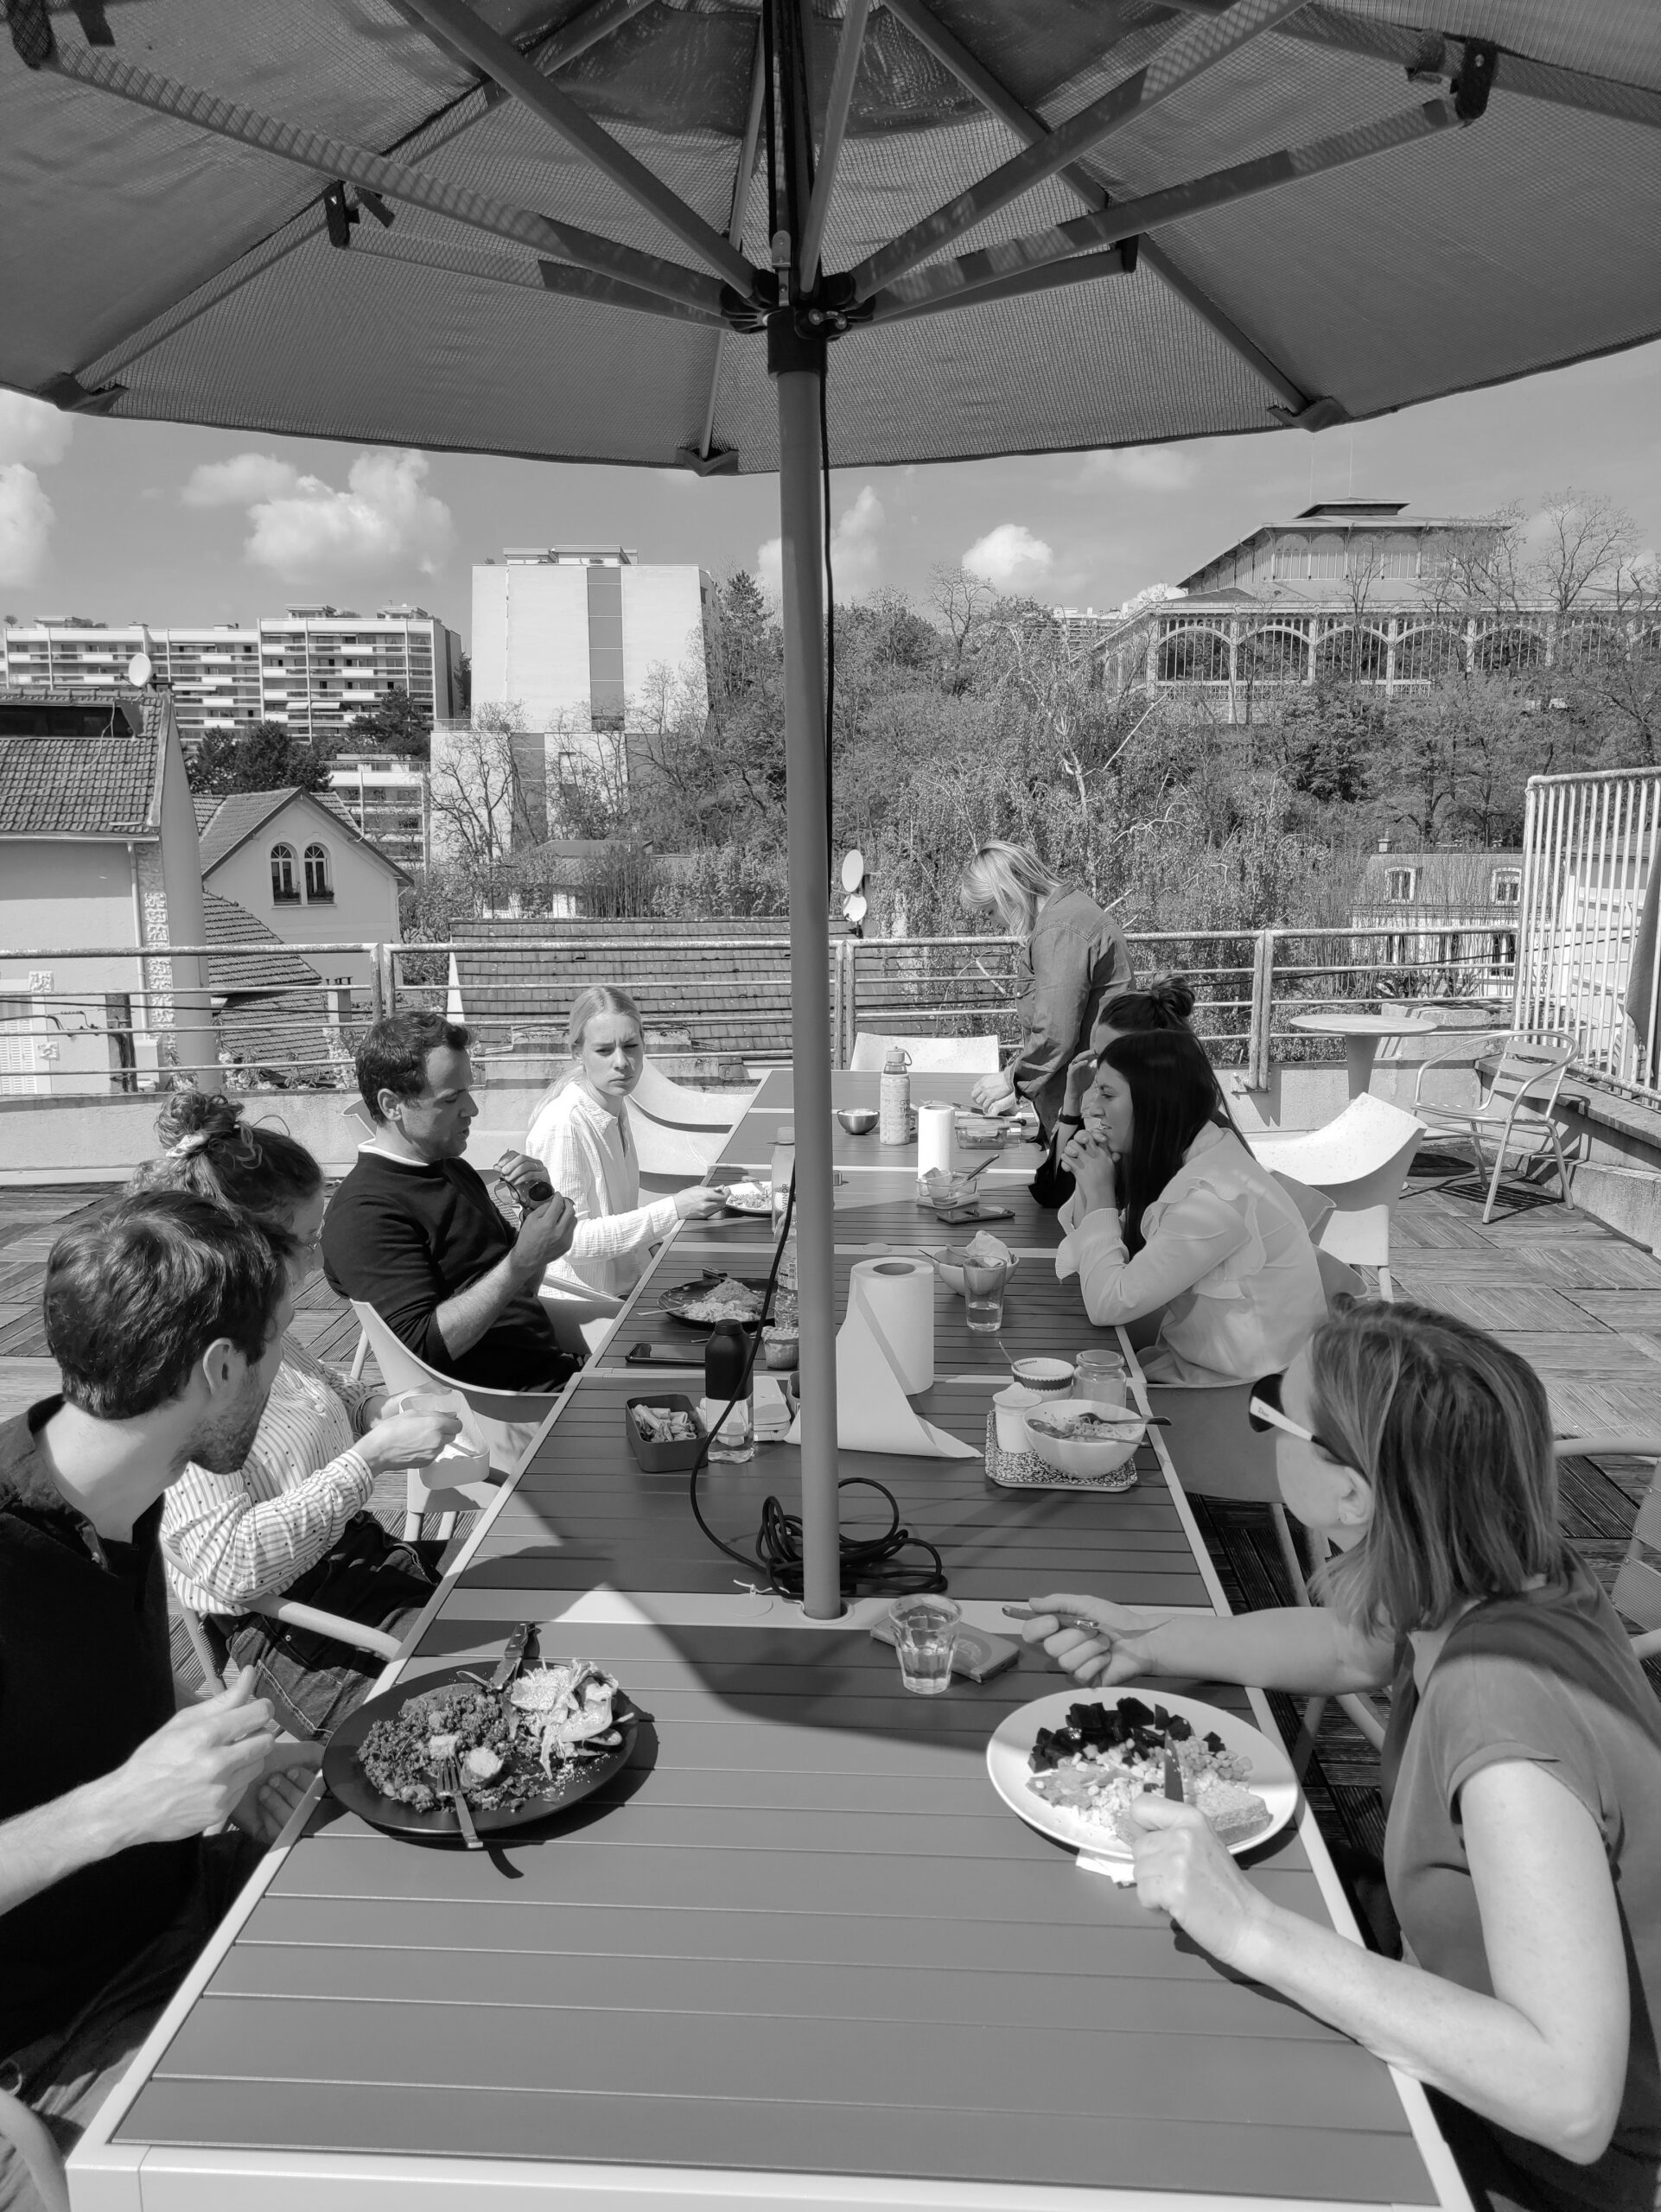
(870, 1563)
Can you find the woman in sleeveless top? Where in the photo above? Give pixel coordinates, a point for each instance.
(1522, 1769)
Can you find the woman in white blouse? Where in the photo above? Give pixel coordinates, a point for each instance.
(580, 1133)
(293, 1520)
(1173, 1224)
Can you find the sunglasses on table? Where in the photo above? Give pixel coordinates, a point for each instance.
(1263, 1412)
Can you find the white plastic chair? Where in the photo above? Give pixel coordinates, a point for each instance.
(508, 1420)
(1514, 1115)
(1636, 1593)
(1359, 1160)
(929, 1055)
(663, 1100)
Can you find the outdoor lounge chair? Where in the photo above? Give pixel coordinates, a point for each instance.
(929, 1055)
(1514, 1115)
(507, 1420)
(1359, 1160)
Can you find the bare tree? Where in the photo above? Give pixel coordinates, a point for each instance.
(480, 803)
(963, 602)
(1586, 545)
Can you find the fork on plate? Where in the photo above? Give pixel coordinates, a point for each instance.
(447, 1773)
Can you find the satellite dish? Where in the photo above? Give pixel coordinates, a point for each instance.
(139, 670)
(855, 906)
(853, 869)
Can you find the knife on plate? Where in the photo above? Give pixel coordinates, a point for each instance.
(1173, 1779)
(513, 1656)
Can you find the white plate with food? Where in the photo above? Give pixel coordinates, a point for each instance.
(1069, 1765)
(749, 1197)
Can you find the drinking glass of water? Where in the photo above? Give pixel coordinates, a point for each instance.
(983, 1295)
(925, 1636)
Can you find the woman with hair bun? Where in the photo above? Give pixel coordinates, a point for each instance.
(580, 1132)
(1164, 1003)
(1070, 957)
(1522, 1764)
(293, 1521)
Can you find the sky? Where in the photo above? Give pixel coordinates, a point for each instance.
(170, 524)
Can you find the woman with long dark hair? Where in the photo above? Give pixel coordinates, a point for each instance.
(1163, 1003)
(293, 1521)
(1522, 1767)
(1172, 1217)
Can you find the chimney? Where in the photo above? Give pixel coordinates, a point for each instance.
(1384, 842)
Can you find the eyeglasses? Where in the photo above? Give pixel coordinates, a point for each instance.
(1263, 1412)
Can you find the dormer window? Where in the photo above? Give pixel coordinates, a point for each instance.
(320, 885)
(285, 883)
(1508, 887)
(1399, 883)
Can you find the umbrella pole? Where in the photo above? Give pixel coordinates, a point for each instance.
(797, 367)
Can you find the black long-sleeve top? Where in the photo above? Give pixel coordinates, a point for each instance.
(404, 1238)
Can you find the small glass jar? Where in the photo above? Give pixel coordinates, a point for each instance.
(1101, 1374)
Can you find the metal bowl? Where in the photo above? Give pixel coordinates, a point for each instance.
(858, 1121)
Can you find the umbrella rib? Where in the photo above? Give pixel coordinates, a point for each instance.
(503, 61)
(840, 100)
(966, 278)
(1082, 268)
(950, 51)
(1199, 46)
(1377, 40)
(742, 179)
(333, 157)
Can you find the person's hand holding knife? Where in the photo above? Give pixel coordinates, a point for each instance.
(1091, 1640)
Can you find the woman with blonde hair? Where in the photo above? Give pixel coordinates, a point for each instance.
(294, 1520)
(580, 1132)
(1071, 956)
(1522, 1769)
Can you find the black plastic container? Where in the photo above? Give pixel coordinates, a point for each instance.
(654, 1459)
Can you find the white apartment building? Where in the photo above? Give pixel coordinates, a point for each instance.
(321, 665)
(586, 637)
(390, 799)
(315, 668)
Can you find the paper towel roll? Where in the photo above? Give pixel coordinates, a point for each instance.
(897, 1299)
(934, 1128)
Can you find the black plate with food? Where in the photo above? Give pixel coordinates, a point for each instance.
(715, 1297)
(378, 1762)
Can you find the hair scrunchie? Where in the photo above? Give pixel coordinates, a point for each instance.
(195, 1142)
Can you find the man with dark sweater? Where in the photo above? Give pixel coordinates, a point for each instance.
(412, 1230)
(166, 1316)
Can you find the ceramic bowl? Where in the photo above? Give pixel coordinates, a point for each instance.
(858, 1121)
(1085, 1459)
(948, 1267)
(1050, 1378)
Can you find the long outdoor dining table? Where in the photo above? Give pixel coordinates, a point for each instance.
(798, 1953)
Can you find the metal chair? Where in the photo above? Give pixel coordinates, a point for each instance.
(1360, 1161)
(1532, 1065)
(929, 1055)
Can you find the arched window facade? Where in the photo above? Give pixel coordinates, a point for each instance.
(285, 882)
(1193, 657)
(320, 883)
(1273, 657)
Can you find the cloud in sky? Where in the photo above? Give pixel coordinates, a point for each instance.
(238, 482)
(1144, 468)
(384, 518)
(30, 432)
(1011, 557)
(856, 551)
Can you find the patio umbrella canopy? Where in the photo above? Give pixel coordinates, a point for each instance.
(629, 230)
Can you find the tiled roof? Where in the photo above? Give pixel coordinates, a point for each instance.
(206, 804)
(241, 815)
(58, 785)
(250, 975)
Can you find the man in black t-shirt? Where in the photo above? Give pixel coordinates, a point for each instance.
(412, 1230)
(166, 1316)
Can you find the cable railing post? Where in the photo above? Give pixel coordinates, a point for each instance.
(377, 997)
(850, 1004)
(1262, 998)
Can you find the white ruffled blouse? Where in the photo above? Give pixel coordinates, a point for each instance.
(1225, 1254)
(590, 1156)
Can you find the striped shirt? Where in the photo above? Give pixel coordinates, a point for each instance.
(229, 1539)
(591, 1157)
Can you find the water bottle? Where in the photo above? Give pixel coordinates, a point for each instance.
(784, 1166)
(726, 1360)
(893, 1098)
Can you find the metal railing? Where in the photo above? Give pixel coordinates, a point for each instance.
(1586, 925)
(117, 1019)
